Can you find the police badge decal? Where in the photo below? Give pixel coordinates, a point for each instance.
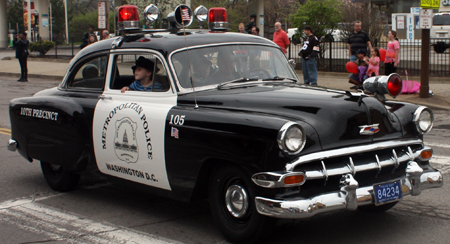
(125, 141)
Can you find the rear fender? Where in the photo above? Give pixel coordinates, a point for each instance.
(50, 129)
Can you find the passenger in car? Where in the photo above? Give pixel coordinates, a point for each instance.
(143, 71)
(201, 67)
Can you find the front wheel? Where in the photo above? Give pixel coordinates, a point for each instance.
(232, 202)
(58, 178)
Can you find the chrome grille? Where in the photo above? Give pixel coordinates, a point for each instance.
(369, 164)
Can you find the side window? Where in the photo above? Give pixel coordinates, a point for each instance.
(153, 76)
(91, 74)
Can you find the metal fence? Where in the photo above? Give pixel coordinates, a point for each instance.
(335, 55)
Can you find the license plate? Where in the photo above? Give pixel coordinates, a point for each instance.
(441, 35)
(389, 192)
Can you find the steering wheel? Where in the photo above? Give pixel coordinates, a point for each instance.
(257, 73)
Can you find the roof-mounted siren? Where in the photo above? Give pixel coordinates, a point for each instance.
(380, 85)
(181, 17)
(201, 15)
(128, 18)
(218, 19)
(151, 14)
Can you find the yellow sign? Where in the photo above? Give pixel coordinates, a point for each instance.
(430, 4)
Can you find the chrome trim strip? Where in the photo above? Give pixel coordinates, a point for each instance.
(346, 197)
(411, 154)
(378, 163)
(324, 171)
(349, 151)
(352, 166)
(396, 162)
(12, 145)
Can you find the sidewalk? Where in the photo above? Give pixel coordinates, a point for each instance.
(56, 69)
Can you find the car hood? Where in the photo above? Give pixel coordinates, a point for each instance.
(336, 116)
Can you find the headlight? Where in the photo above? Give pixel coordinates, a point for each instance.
(424, 119)
(291, 138)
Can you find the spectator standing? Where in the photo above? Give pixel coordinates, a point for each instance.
(392, 54)
(242, 28)
(280, 37)
(92, 39)
(255, 31)
(252, 23)
(358, 40)
(86, 37)
(309, 52)
(374, 63)
(21, 46)
(105, 35)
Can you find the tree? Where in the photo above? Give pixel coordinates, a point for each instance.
(372, 21)
(322, 15)
(59, 19)
(14, 14)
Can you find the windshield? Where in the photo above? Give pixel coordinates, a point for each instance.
(441, 19)
(220, 64)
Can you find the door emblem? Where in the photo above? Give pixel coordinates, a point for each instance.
(369, 129)
(125, 141)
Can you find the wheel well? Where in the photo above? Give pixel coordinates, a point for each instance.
(204, 177)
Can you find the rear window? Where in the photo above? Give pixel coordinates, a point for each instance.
(442, 19)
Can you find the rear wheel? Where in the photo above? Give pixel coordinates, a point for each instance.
(377, 209)
(232, 201)
(58, 178)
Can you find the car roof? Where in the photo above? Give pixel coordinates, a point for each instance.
(166, 42)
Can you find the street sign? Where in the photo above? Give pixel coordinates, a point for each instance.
(101, 8)
(425, 19)
(102, 22)
(434, 4)
(400, 22)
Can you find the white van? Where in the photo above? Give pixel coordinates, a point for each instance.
(441, 25)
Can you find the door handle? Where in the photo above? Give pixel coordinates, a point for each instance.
(103, 97)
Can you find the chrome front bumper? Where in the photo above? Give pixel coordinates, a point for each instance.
(349, 196)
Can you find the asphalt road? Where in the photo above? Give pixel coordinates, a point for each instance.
(100, 212)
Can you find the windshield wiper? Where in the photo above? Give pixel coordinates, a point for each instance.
(280, 78)
(242, 79)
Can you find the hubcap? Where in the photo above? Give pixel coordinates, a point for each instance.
(236, 199)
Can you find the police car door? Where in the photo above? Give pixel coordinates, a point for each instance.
(129, 127)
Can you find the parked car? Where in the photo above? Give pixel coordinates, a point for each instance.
(226, 119)
(441, 26)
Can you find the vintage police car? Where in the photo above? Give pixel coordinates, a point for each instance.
(230, 122)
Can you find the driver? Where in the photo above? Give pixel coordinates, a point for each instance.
(227, 67)
(201, 68)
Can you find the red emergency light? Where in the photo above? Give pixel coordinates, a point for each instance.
(218, 19)
(128, 17)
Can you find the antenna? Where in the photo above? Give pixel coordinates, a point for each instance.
(185, 16)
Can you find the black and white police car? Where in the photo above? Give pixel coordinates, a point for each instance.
(229, 121)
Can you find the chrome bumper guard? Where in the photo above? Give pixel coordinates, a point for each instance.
(12, 145)
(349, 196)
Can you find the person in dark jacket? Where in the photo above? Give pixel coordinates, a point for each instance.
(86, 37)
(309, 52)
(21, 46)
